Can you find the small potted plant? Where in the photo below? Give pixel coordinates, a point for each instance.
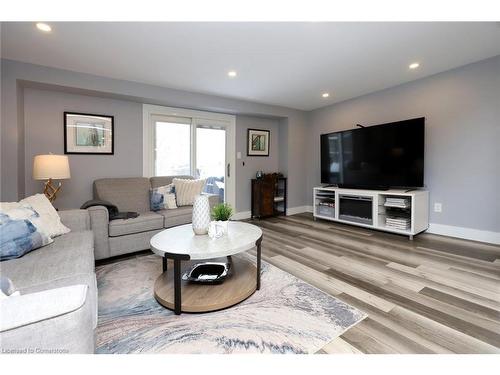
(221, 214)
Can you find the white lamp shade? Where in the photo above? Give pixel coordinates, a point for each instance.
(51, 166)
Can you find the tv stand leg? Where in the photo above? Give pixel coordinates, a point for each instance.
(411, 237)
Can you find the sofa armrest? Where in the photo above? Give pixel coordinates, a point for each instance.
(213, 199)
(99, 222)
(51, 321)
(76, 220)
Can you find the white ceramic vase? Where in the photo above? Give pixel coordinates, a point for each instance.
(201, 214)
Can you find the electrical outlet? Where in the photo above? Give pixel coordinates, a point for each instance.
(438, 207)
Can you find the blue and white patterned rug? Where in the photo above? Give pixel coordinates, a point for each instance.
(286, 315)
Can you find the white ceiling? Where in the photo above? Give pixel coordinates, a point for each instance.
(288, 64)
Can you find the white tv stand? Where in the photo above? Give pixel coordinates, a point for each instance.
(338, 204)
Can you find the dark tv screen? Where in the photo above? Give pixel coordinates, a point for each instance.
(373, 157)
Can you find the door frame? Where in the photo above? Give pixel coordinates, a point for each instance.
(222, 119)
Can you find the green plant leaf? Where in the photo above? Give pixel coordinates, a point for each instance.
(222, 212)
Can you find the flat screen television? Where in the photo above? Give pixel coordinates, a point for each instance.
(375, 157)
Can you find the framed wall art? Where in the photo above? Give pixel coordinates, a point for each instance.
(258, 142)
(86, 133)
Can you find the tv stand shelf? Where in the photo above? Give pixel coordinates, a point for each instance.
(397, 211)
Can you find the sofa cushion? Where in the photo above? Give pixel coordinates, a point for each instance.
(143, 223)
(70, 254)
(39, 306)
(128, 194)
(131, 243)
(187, 190)
(179, 216)
(88, 279)
(166, 180)
(69, 332)
(179, 211)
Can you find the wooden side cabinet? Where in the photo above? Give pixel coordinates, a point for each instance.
(269, 196)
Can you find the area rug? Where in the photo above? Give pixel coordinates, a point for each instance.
(286, 315)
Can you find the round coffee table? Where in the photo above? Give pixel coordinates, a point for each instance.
(181, 245)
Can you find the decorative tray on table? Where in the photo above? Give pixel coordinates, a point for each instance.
(208, 272)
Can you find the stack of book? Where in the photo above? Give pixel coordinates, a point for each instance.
(397, 202)
(398, 222)
(327, 203)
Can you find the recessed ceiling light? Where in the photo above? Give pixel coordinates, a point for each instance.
(232, 73)
(414, 65)
(325, 95)
(43, 27)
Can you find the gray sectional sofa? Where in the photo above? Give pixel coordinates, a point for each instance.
(117, 237)
(57, 309)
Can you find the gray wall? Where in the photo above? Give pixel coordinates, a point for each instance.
(252, 164)
(462, 160)
(461, 107)
(18, 77)
(43, 133)
(43, 116)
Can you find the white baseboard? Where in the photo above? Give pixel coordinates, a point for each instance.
(242, 215)
(441, 229)
(298, 210)
(465, 233)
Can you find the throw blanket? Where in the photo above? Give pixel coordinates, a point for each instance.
(112, 209)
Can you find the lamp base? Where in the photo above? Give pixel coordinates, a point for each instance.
(50, 190)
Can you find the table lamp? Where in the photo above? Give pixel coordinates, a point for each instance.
(51, 167)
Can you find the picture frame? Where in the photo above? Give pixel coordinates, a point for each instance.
(88, 134)
(258, 142)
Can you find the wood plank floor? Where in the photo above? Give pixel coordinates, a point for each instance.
(430, 295)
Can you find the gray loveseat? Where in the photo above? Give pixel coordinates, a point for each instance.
(57, 309)
(117, 237)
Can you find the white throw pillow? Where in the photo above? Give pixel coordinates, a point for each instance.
(50, 218)
(170, 201)
(187, 190)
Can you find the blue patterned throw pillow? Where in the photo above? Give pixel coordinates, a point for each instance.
(162, 198)
(20, 231)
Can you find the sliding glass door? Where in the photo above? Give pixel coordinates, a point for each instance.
(211, 158)
(172, 146)
(194, 146)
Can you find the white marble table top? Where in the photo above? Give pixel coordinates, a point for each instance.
(182, 240)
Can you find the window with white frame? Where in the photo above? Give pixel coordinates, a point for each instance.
(172, 146)
(188, 142)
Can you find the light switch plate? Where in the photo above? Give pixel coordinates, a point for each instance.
(238, 155)
(438, 207)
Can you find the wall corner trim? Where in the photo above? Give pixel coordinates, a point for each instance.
(465, 233)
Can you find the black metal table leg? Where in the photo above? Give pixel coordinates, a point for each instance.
(177, 286)
(165, 266)
(258, 243)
